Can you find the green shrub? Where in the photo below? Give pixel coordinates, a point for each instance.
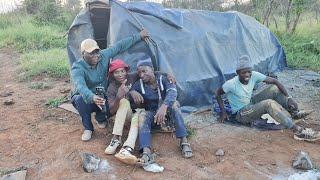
(302, 48)
(55, 102)
(27, 36)
(51, 63)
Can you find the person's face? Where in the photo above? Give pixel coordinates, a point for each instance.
(92, 58)
(244, 75)
(120, 74)
(146, 73)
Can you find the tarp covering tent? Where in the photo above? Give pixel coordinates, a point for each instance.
(200, 48)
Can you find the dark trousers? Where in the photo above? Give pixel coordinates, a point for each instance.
(146, 124)
(85, 111)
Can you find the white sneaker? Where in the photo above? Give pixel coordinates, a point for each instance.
(102, 125)
(86, 136)
(111, 149)
(126, 156)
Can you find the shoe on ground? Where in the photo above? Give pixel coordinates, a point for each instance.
(307, 135)
(300, 114)
(86, 136)
(126, 157)
(102, 125)
(111, 149)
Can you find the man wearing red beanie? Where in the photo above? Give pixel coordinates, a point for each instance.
(117, 93)
(118, 99)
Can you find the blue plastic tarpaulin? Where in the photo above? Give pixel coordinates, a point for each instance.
(200, 48)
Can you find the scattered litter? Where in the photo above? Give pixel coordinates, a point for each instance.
(69, 107)
(188, 109)
(18, 175)
(309, 175)
(6, 94)
(153, 167)
(92, 163)
(316, 83)
(64, 90)
(310, 76)
(269, 119)
(220, 152)
(8, 102)
(302, 161)
(202, 111)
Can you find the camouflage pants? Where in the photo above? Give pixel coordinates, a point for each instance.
(268, 100)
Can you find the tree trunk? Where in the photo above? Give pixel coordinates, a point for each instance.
(288, 14)
(268, 12)
(295, 23)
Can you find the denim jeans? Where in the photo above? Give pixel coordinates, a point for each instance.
(146, 124)
(268, 100)
(85, 111)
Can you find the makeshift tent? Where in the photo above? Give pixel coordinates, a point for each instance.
(200, 48)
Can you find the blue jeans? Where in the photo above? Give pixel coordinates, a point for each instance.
(85, 111)
(146, 124)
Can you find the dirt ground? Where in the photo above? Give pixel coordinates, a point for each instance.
(47, 140)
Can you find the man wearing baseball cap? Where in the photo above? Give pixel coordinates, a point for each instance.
(273, 100)
(89, 73)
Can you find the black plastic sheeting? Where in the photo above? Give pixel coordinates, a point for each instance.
(200, 48)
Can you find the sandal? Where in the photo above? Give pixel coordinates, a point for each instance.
(186, 150)
(146, 159)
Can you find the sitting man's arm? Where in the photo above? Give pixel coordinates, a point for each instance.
(135, 76)
(78, 79)
(115, 95)
(291, 102)
(135, 93)
(223, 116)
(270, 80)
(124, 44)
(171, 97)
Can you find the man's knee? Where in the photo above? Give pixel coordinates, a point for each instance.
(175, 106)
(271, 104)
(274, 89)
(124, 102)
(144, 119)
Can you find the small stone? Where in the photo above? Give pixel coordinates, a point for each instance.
(92, 163)
(64, 90)
(6, 94)
(302, 161)
(220, 152)
(18, 175)
(8, 102)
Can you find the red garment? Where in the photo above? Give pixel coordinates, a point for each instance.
(116, 64)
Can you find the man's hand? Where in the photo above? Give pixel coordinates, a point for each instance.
(223, 117)
(99, 101)
(137, 98)
(123, 90)
(161, 114)
(144, 34)
(292, 104)
(171, 78)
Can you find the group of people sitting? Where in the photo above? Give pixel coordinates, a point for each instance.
(146, 98)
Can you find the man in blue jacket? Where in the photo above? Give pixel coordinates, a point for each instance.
(90, 72)
(159, 97)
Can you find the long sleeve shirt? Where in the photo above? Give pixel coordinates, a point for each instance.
(86, 78)
(166, 93)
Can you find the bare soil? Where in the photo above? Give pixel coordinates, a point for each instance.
(47, 140)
